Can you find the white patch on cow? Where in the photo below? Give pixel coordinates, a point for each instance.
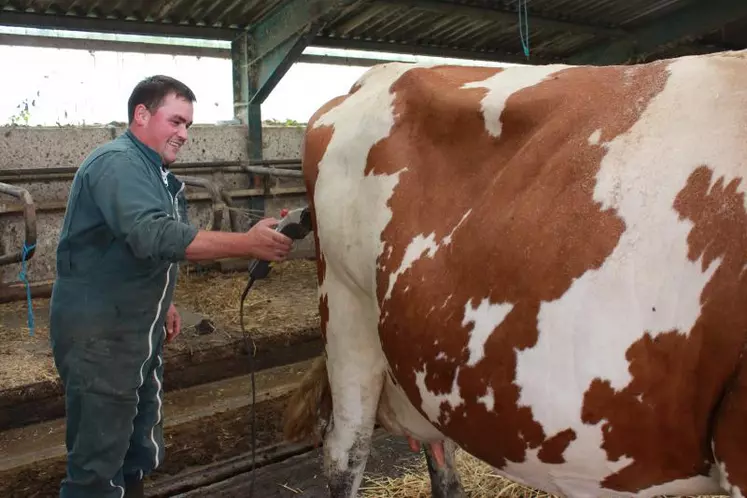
(723, 477)
(441, 356)
(342, 188)
(350, 240)
(398, 415)
(697, 486)
(488, 399)
(421, 246)
(585, 334)
(355, 366)
(595, 137)
(486, 317)
(433, 308)
(504, 84)
(431, 403)
(578, 477)
(352, 212)
(451, 295)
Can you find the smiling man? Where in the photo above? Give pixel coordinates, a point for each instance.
(124, 233)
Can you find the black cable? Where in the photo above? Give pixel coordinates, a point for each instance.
(257, 270)
(250, 351)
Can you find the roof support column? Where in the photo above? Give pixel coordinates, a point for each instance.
(263, 55)
(248, 113)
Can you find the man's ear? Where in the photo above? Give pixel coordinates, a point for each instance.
(142, 115)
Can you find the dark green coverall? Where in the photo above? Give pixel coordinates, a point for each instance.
(124, 232)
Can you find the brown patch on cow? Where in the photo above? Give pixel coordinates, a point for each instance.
(552, 449)
(316, 141)
(642, 420)
(677, 378)
(534, 228)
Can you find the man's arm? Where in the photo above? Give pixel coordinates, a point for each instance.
(261, 242)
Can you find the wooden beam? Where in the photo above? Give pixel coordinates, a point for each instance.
(693, 20)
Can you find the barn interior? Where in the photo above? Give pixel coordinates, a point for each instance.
(243, 170)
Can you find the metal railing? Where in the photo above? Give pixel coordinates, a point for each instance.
(291, 168)
(29, 218)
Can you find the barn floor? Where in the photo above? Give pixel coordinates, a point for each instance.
(282, 304)
(301, 475)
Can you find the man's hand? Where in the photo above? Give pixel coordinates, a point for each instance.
(173, 323)
(268, 244)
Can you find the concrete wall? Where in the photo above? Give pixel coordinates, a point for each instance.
(23, 148)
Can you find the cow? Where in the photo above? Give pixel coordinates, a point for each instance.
(544, 265)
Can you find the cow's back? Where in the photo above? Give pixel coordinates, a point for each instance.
(553, 254)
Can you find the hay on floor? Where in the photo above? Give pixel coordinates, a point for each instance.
(22, 367)
(287, 299)
(478, 479)
(24, 359)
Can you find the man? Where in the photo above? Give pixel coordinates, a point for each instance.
(124, 232)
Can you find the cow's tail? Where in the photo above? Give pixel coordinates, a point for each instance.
(309, 409)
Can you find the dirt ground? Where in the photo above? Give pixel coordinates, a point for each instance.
(200, 442)
(284, 302)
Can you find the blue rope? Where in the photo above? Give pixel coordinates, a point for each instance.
(24, 279)
(524, 27)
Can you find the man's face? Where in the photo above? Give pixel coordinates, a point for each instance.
(165, 131)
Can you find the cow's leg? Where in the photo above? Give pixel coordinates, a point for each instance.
(356, 375)
(440, 458)
(730, 437)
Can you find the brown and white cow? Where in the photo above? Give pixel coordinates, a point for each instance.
(544, 264)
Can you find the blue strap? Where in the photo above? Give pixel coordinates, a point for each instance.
(24, 279)
(524, 27)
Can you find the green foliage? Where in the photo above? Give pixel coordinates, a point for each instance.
(286, 122)
(21, 118)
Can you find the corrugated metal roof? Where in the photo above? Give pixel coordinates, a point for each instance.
(211, 19)
(559, 29)
(214, 13)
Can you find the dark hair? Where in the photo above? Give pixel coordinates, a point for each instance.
(151, 91)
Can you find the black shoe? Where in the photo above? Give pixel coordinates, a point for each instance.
(134, 489)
